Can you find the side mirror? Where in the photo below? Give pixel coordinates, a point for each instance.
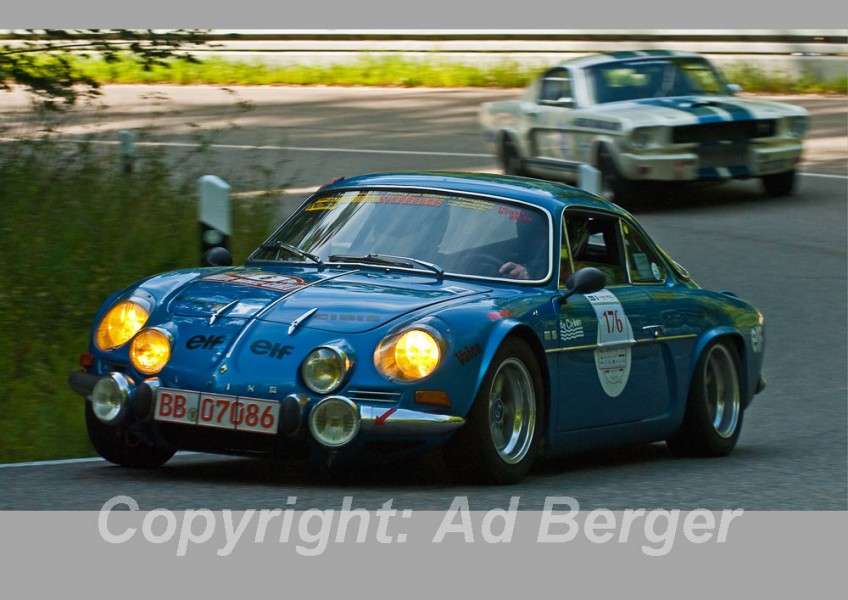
(587, 280)
(217, 257)
(734, 88)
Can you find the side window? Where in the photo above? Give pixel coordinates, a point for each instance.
(592, 240)
(555, 87)
(643, 264)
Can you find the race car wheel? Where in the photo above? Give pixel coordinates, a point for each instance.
(121, 447)
(510, 159)
(713, 417)
(614, 186)
(500, 439)
(779, 184)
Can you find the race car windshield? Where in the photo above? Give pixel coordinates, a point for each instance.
(418, 231)
(660, 78)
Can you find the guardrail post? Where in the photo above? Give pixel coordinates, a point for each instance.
(127, 139)
(589, 179)
(214, 215)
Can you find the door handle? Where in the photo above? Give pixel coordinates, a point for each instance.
(656, 330)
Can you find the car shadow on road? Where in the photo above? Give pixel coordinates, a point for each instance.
(426, 471)
(662, 198)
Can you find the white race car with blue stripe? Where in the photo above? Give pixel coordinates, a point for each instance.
(653, 115)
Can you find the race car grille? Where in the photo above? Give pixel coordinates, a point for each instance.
(728, 131)
(373, 396)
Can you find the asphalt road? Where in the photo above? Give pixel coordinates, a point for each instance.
(788, 256)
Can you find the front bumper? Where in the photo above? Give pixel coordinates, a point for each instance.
(710, 162)
(372, 421)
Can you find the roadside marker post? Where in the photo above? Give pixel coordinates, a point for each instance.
(214, 215)
(589, 179)
(127, 140)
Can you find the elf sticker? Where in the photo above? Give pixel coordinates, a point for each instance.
(615, 337)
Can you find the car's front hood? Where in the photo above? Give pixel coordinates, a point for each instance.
(339, 301)
(686, 110)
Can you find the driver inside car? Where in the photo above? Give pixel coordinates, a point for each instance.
(532, 246)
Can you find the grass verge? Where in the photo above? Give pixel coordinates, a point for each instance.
(398, 71)
(74, 228)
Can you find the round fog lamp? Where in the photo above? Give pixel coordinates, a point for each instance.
(324, 369)
(109, 397)
(150, 351)
(334, 421)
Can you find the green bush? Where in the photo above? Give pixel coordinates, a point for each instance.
(76, 227)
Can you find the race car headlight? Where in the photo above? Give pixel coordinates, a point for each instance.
(118, 326)
(109, 397)
(643, 137)
(150, 351)
(325, 369)
(412, 355)
(797, 127)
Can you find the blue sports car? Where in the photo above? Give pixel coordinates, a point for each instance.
(496, 318)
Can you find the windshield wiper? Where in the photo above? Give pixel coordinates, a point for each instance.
(388, 260)
(278, 245)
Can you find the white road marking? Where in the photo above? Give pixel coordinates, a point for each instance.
(336, 150)
(68, 461)
(291, 148)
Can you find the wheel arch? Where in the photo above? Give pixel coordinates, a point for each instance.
(601, 146)
(514, 330)
(510, 135)
(734, 338)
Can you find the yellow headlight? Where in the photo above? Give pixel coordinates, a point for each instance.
(150, 351)
(122, 322)
(417, 354)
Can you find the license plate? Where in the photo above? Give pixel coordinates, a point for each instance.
(217, 410)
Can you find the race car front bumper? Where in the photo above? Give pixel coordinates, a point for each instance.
(333, 421)
(710, 162)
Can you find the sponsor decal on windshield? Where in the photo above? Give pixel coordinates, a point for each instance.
(377, 197)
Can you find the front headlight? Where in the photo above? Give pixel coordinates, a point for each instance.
(644, 137)
(412, 355)
(150, 351)
(797, 127)
(118, 326)
(325, 369)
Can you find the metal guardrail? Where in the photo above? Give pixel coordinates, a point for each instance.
(793, 51)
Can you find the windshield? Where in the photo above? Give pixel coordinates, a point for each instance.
(423, 231)
(654, 78)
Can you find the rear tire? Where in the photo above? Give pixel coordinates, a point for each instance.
(779, 184)
(122, 447)
(511, 161)
(501, 436)
(713, 417)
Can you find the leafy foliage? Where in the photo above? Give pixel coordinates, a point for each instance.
(47, 62)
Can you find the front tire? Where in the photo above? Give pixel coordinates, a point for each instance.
(121, 447)
(615, 187)
(779, 184)
(501, 436)
(713, 417)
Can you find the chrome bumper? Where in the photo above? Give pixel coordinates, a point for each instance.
(381, 420)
